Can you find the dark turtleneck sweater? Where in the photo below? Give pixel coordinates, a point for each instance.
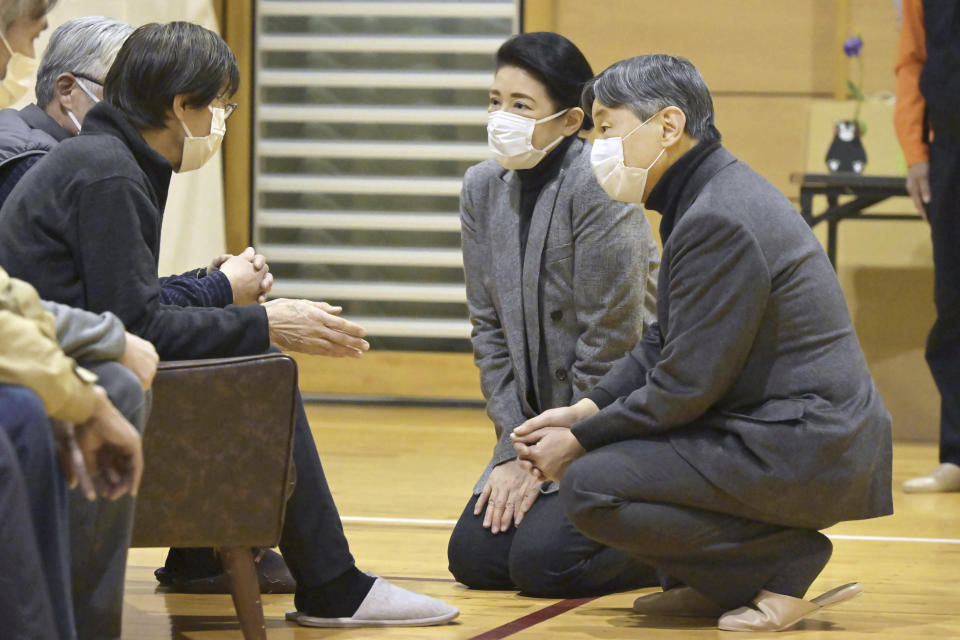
(83, 227)
(665, 197)
(532, 182)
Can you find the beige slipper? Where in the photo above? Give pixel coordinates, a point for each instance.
(945, 477)
(776, 612)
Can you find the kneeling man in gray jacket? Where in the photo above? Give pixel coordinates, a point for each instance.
(746, 419)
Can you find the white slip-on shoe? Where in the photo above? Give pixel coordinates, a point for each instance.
(945, 477)
(683, 602)
(777, 612)
(386, 605)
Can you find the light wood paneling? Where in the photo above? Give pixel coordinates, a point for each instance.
(768, 132)
(421, 464)
(393, 373)
(876, 22)
(742, 46)
(236, 26)
(539, 15)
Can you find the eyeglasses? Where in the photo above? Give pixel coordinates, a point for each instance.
(228, 108)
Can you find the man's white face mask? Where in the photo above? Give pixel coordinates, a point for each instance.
(622, 183)
(21, 72)
(510, 138)
(197, 150)
(83, 87)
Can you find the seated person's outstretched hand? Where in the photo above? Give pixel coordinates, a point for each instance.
(316, 328)
(112, 450)
(509, 493)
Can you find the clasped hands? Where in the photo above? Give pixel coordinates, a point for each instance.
(304, 326)
(545, 445)
(248, 273)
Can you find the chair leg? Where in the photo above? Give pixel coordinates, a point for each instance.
(245, 589)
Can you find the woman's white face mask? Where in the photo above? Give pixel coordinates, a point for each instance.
(197, 150)
(21, 73)
(622, 183)
(510, 138)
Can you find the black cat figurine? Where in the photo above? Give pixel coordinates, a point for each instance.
(846, 152)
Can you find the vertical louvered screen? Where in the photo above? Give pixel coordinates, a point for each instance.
(367, 115)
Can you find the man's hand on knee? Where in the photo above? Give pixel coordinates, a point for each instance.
(141, 358)
(112, 450)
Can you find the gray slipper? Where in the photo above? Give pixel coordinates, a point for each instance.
(386, 605)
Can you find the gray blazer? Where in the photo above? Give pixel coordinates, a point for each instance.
(753, 372)
(582, 299)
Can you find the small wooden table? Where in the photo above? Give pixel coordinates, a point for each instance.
(867, 191)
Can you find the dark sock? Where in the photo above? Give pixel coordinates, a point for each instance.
(189, 564)
(339, 598)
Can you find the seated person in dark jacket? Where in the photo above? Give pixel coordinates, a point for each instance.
(69, 83)
(746, 419)
(91, 212)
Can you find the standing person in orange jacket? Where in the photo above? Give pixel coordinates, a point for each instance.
(927, 119)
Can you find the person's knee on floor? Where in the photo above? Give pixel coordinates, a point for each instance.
(539, 567)
(477, 558)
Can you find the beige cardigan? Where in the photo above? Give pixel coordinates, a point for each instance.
(31, 357)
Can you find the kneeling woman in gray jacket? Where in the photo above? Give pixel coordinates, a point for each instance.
(560, 284)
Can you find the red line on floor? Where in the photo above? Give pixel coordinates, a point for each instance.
(532, 619)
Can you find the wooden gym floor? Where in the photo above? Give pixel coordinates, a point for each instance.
(401, 475)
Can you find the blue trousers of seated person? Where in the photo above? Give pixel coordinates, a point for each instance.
(34, 551)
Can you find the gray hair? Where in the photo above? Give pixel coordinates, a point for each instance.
(13, 10)
(82, 45)
(648, 84)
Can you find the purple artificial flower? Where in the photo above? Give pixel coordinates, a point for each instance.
(852, 46)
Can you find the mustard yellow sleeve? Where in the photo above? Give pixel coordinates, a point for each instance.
(31, 357)
(909, 109)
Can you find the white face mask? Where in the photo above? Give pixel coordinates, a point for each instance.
(21, 73)
(622, 183)
(198, 150)
(89, 93)
(510, 138)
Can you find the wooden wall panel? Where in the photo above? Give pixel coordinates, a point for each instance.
(876, 22)
(738, 45)
(236, 27)
(768, 132)
(392, 373)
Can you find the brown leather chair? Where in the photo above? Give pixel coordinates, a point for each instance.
(218, 465)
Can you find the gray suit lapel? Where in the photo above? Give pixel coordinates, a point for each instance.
(539, 225)
(506, 234)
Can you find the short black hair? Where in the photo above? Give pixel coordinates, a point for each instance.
(160, 61)
(555, 61)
